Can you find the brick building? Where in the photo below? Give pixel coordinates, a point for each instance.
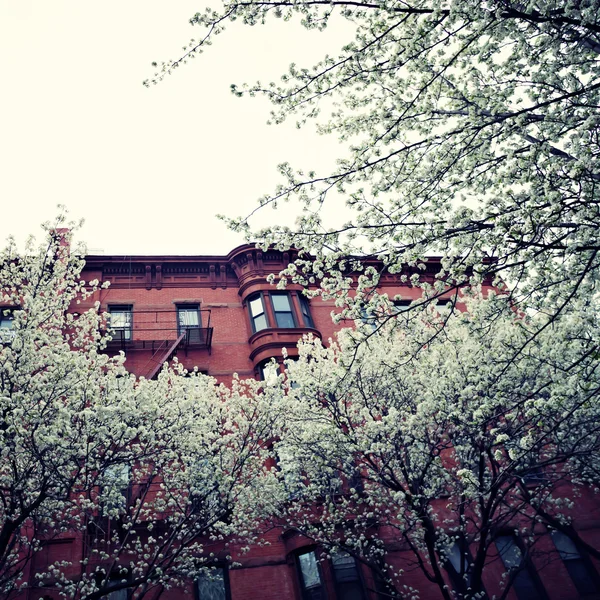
(219, 314)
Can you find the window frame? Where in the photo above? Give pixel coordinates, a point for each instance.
(193, 332)
(290, 312)
(305, 311)
(461, 582)
(258, 296)
(304, 591)
(576, 558)
(338, 584)
(7, 334)
(182, 308)
(127, 329)
(263, 368)
(525, 569)
(119, 473)
(331, 585)
(224, 568)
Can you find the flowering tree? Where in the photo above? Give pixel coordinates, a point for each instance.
(445, 443)
(145, 475)
(470, 131)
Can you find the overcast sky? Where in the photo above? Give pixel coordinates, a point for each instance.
(147, 169)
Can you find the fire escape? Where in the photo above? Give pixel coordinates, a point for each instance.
(162, 332)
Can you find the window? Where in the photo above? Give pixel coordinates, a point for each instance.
(458, 565)
(534, 477)
(368, 318)
(121, 322)
(258, 317)
(7, 331)
(189, 321)
(347, 577)
(213, 584)
(400, 306)
(117, 487)
(524, 579)
(121, 594)
(282, 308)
(268, 371)
(305, 308)
(342, 571)
(311, 580)
(355, 481)
(118, 595)
(579, 567)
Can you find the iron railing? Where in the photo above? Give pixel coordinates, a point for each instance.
(154, 329)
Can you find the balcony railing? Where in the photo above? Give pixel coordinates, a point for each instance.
(154, 329)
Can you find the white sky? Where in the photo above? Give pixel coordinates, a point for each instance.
(146, 168)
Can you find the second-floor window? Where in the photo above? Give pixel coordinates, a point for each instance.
(121, 322)
(524, 579)
(258, 316)
(304, 307)
(341, 570)
(116, 488)
(189, 321)
(282, 308)
(7, 331)
(188, 316)
(213, 584)
(578, 566)
(311, 580)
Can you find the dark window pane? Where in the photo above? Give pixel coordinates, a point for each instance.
(524, 584)
(582, 578)
(347, 577)
(269, 371)
(458, 567)
(579, 570)
(350, 591)
(525, 587)
(509, 551)
(308, 322)
(211, 585)
(285, 320)
(400, 306)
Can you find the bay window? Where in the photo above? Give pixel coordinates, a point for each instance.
(304, 307)
(258, 316)
(278, 310)
(282, 309)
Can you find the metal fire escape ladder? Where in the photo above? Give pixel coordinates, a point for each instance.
(162, 354)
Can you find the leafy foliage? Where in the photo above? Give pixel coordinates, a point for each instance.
(442, 441)
(149, 476)
(470, 130)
